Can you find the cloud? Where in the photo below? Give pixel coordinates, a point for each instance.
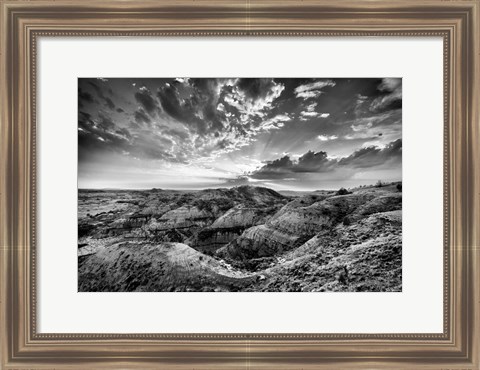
(391, 97)
(310, 113)
(259, 92)
(141, 117)
(314, 162)
(390, 84)
(124, 132)
(97, 89)
(105, 123)
(194, 104)
(146, 100)
(85, 96)
(374, 156)
(222, 115)
(387, 125)
(277, 168)
(253, 97)
(313, 89)
(319, 162)
(274, 122)
(359, 127)
(171, 104)
(237, 181)
(327, 137)
(106, 100)
(98, 134)
(103, 135)
(109, 103)
(217, 122)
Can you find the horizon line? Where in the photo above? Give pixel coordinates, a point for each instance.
(237, 186)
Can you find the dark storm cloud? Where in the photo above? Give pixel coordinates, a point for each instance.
(281, 164)
(194, 102)
(318, 162)
(215, 107)
(124, 132)
(99, 135)
(168, 96)
(102, 135)
(238, 124)
(373, 156)
(188, 118)
(146, 100)
(253, 98)
(106, 100)
(256, 88)
(386, 104)
(85, 96)
(105, 122)
(141, 117)
(314, 162)
(310, 162)
(109, 103)
(85, 120)
(97, 89)
(222, 115)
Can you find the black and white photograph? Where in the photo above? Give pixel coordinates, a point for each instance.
(240, 184)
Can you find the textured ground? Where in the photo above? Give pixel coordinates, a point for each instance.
(240, 239)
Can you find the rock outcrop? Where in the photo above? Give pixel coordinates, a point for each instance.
(229, 226)
(152, 268)
(362, 257)
(300, 220)
(245, 238)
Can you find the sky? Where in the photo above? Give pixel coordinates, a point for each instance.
(194, 133)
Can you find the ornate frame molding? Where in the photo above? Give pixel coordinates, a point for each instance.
(23, 22)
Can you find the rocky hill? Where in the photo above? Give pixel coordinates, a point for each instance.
(240, 239)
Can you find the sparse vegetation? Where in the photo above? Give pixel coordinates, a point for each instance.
(343, 191)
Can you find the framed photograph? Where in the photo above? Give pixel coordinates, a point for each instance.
(260, 184)
(235, 206)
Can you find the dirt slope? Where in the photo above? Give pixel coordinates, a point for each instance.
(162, 267)
(240, 239)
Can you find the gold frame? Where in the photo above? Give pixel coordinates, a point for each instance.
(457, 22)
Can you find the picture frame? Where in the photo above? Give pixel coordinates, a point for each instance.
(24, 22)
